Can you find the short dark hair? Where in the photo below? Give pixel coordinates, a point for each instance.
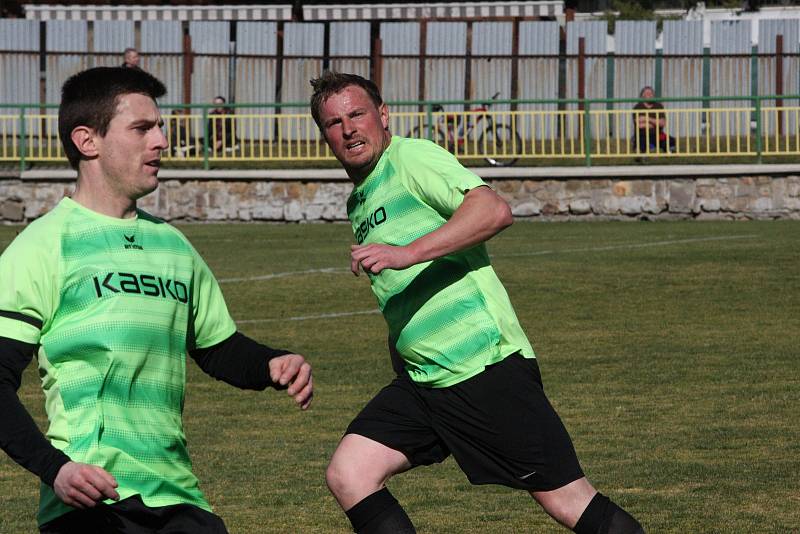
(90, 98)
(331, 83)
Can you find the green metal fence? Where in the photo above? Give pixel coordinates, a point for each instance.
(523, 131)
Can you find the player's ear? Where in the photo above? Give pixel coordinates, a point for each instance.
(84, 138)
(384, 111)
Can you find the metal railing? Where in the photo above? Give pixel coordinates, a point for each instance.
(529, 130)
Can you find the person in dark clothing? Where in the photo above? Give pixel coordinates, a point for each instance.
(650, 125)
(221, 130)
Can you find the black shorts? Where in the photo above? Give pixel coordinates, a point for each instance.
(131, 516)
(499, 426)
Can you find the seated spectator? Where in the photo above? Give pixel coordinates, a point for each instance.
(179, 127)
(648, 119)
(221, 131)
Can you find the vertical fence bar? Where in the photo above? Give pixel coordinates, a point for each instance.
(587, 131)
(779, 80)
(206, 133)
(706, 78)
(758, 127)
(754, 82)
(23, 142)
(429, 120)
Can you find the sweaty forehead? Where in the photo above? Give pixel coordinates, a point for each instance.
(351, 96)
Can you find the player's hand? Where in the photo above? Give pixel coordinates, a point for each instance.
(83, 485)
(293, 372)
(375, 257)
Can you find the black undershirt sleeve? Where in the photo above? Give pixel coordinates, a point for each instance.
(238, 361)
(20, 438)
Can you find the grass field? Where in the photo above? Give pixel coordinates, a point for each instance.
(669, 349)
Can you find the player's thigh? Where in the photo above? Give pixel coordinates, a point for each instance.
(502, 429)
(567, 503)
(399, 419)
(368, 458)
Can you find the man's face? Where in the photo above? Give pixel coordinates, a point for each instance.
(355, 129)
(132, 58)
(129, 154)
(648, 93)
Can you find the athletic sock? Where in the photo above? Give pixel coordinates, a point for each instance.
(603, 516)
(379, 513)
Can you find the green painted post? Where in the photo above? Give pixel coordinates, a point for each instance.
(706, 88)
(758, 128)
(587, 145)
(754, 83)
(23, 134)
(706, 76)
(610, 85)
(429, 120)
(206, 133)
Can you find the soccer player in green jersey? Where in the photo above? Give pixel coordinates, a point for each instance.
(113, 299)
(468, 383)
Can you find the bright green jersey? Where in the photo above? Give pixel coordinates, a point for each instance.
(448, 318)
(114, 305)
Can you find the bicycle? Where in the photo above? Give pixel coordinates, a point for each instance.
(497, 143)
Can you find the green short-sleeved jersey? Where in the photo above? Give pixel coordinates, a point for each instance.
(448, 318)
(114, 305)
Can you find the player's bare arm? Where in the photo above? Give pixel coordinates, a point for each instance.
(482, 215)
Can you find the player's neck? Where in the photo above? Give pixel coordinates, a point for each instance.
(96, 195)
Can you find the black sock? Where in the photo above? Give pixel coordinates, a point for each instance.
(603, 516)
(380, 513)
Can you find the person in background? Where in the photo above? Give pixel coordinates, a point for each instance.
(222, 135)
(131, 58)
(650, 134)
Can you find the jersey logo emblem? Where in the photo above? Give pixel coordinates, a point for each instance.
(131, 242)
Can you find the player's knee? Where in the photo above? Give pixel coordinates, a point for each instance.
(343, 477)
(335, 478)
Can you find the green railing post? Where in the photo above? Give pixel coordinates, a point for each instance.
(587, 145)
(206, 133)
(429, 120)
(23, 134)
(758, 128)
(706, 76)
(754, 76)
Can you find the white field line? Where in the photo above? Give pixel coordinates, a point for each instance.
(309, 317)
(283, 275)
(626, 246)
(336, 270)
(537, 253)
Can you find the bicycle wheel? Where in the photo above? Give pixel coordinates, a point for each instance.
(500, 144)
(439, 137)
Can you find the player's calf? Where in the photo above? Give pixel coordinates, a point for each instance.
(603, 516)
(380, 513)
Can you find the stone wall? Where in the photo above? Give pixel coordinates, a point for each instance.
(280, 199)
